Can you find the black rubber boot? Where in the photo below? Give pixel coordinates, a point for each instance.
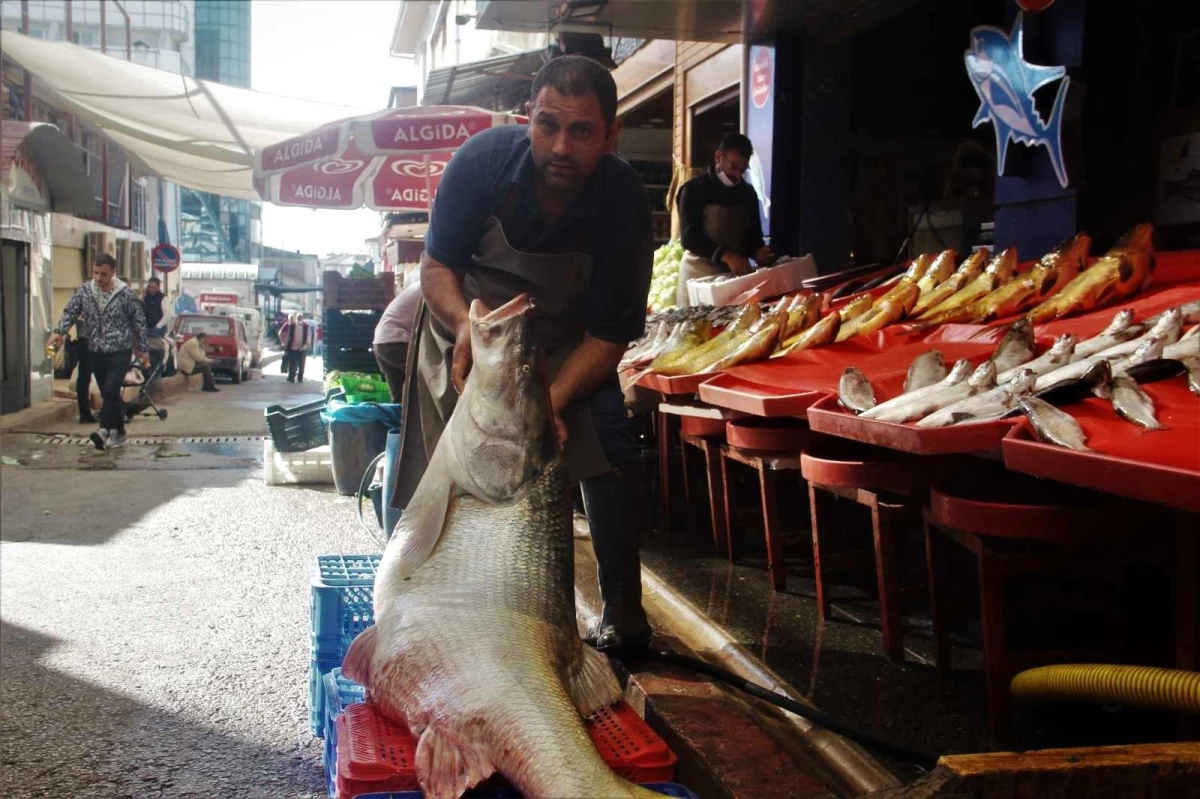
(610, 501)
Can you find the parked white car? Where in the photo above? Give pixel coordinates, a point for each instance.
(252, 320)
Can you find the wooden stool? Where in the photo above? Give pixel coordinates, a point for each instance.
(773, 468)
(891, 486)
(1013, 525)
(710, 446)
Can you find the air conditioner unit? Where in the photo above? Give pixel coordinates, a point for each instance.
(122, 256)
(95, 244)
(139, 261)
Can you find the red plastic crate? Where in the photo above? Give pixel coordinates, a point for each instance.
(376, 754)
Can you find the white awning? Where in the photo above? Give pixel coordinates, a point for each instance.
(192, 132)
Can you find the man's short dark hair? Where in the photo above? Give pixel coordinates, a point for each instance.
(575, 76)
(737, 142)
(154, 280)
(202, 335)
(104, 259)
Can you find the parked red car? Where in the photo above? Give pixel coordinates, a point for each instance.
(228, 346)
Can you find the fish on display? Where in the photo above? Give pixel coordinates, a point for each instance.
(1056, 269)
(1052, 425)
(1155, 370)
(895, 409)
(960, 305)
(1060, 354)
(1075, 389)
(1192, 364)
(1190, 311)
(688, 362)
(1168, 328)
(855, 392)
(1119, 330)
(1187, 346)
(1016, 347)
(856, 307)
(968, 271)
(941, 269)
(923, 402)
(927, 369)
(985, 406)
(1132, 404)
(910, 278)
(822, 333)
(642, 353)
(879, 317)
(475, 644)
(1120, 273)
(1151, 349)
(683, 339)
(751, 345)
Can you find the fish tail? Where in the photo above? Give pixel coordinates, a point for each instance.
(1053, 133)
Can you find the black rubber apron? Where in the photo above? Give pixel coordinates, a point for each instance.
(498, 272)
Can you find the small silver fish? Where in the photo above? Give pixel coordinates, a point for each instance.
(855, 392)
(1190, 312)
(1168, 327)
(1060, 354)
(1192, 364)
(1132, 404)
(1119, 330)
(906, 406)
(1052, 425)
(1016, 347)
(987, 406)
(927, 369)
(1150, 349)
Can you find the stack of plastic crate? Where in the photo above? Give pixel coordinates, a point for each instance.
(342, 589)
(353, 307)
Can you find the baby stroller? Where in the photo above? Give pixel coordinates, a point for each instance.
(141, 378)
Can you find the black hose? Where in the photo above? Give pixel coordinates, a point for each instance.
(362, 489)
(922, 759)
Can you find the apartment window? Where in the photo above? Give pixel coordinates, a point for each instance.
(85, 38)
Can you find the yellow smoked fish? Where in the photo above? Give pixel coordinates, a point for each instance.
(916, 270)
(939, 271)
(879, 317)
(856, 307)
(999, 272)
(750, 346)
(968, 271)
(1120, 273)
(687, 362)
(823, 332)
(1048, 276)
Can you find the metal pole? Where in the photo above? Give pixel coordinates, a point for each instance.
(70, 22)
(103, 32)
(28, 85)
(128, 36)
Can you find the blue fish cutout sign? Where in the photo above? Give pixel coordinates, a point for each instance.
(1005, 83)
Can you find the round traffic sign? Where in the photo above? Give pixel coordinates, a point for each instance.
(165, 258)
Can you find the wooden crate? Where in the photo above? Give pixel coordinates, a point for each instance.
(358, 294)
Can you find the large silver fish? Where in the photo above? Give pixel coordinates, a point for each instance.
(910, 406)
(985, 406)
(475, 643)
(920, 404)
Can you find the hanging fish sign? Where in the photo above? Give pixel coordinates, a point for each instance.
(1005, 83)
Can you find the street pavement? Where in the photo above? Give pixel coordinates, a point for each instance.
(154, 621)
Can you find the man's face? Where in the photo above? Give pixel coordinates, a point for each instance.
(104, 275)
(152, 287)
(568, 137)
(732, 163)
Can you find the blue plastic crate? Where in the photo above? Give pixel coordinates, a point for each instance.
(342, 589)
(340, 692)
(665, 788)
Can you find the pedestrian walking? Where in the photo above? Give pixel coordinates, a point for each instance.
(296, 339)
(115, 325)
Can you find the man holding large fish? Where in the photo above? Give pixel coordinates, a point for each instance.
(548, 211)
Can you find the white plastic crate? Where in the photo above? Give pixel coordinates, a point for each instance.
(724, 289)
(311, 467)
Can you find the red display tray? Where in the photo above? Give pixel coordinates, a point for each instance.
(729, 391)
(696, 426)
(1162, 466)
(769, 435)
(682, 384)
(826, 416)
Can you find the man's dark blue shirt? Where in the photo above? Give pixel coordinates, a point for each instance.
(493, 174)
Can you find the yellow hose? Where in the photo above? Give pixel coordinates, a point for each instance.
(1135, 686)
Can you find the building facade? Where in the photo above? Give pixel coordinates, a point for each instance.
(219, 229)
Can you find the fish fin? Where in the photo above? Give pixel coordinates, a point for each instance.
(592, 686)
(420, 526)
(448, 762)
(356, 665)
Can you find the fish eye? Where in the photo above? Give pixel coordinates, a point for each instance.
(526, 368)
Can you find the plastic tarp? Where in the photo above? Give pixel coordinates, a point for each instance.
(387, 414)
(196, 133)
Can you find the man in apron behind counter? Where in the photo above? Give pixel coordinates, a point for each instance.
(718, 212)
(549, 211)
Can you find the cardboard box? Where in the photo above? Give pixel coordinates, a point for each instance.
(770, 281)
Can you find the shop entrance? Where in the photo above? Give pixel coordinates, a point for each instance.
(14, 326)
(711, 120)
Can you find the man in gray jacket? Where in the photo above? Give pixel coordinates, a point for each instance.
(114, 324)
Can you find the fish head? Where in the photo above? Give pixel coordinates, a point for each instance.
(984, 375)
(1150, 349)
(1062, 348)
(958, 372)
(1120, 322)
(1004, 265)
(1140, 239)
(1170, 324)
(1021, 383)
(507, 402)
(1098, 374)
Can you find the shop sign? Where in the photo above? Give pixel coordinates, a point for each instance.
(761, 73)
(24, 186)
(211, 298)
(760, 127)
(1005, 83)
(165, 258)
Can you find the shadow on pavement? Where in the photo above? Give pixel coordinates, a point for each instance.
(61, 736)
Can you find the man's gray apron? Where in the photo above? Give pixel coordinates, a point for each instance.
(727, 226)
(558, 283)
